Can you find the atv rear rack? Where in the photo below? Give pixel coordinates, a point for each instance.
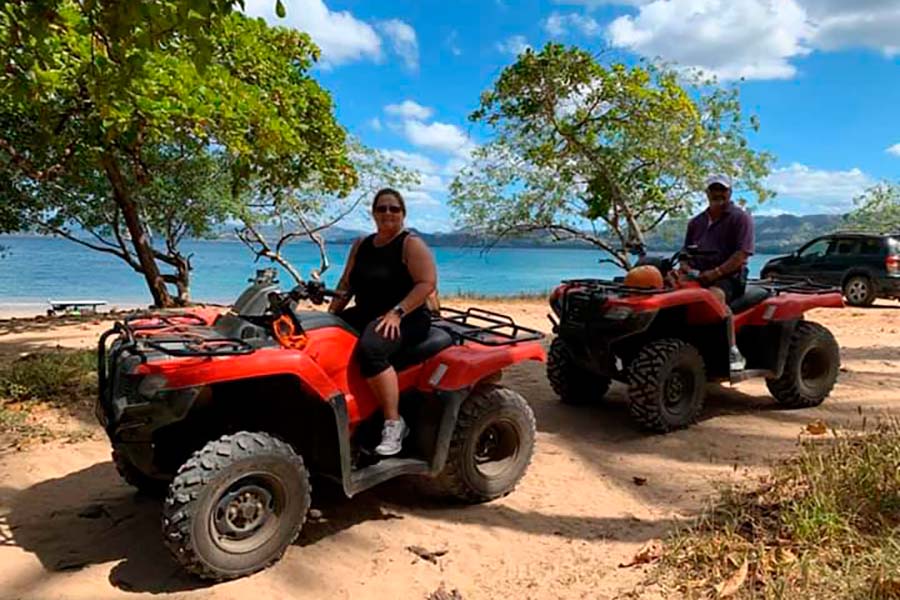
(793, 285)
(484, 327)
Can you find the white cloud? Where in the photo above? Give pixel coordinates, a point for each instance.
(895, 150)
(754, 39)
(403, 40)
(375, 123)
(867, 23)
(441, 137)
(820, 191)
(412, 160)
(559, 25)
(430, 178)
(594, 4)
(409, 110)
(342, 37)
(514, 45)
(452, 42)
(420, 198)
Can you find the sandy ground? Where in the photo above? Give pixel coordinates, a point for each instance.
(69, 528)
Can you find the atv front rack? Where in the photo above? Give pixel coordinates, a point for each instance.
(150, 321)
(605, 286)
(485, 327)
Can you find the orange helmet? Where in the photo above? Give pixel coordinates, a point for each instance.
(645, 276)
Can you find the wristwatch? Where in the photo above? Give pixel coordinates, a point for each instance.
(399, 310)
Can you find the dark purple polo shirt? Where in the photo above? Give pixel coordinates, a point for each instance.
(733, 231)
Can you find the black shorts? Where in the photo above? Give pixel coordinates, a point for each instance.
(373, 350)
(733, 287)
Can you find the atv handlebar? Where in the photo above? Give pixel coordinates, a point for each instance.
(314, 291)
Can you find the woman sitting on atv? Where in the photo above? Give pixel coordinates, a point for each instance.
(391, 274)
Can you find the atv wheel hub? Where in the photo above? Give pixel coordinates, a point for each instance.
(247, 515)
(679, 385)
(496, 448)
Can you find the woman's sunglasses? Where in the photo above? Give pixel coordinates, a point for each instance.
(383, 208)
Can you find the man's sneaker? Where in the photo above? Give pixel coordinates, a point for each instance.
(392, 437)
(736, 359)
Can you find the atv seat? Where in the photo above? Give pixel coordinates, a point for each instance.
(437, 340)
(752, 296)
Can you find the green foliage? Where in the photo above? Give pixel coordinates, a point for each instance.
(581, 147)
(877, 210)
(48, 376)
(131, 121)
(825, 525)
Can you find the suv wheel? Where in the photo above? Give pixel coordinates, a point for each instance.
(859, 291)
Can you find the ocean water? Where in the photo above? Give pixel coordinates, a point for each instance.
(36, 269)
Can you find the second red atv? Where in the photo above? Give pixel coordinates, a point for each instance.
(229, 415)
(666, 344)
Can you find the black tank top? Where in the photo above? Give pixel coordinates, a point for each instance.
(379, 279)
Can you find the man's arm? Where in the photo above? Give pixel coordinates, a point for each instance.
(734, 264)
(744, 241)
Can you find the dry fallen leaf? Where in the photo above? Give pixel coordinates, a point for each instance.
(649, 552)
(730, 586)
(817, 427)
(639, 480)
(786, 557)
(429, 555)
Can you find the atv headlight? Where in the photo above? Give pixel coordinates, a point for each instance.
(151, 385)
(618, 313)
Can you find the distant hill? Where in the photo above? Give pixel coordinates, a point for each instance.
(774, 235)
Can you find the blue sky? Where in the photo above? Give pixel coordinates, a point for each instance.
(822, 75)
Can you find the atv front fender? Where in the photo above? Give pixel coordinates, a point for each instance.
(265, 362)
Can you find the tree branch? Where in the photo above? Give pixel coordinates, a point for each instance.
(251, 238)
(107, 250)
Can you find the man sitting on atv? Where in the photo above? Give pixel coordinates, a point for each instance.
(391, 273)
(724, 235)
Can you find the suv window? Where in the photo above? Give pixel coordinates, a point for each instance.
(816, 249)
(871, 246)
(843, 247)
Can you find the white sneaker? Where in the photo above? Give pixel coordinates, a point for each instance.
(392, 437)
(736, 359)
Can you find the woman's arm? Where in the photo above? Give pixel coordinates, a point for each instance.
(338, 303)
(423, 271)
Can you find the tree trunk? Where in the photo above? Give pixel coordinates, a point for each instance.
(183, 279)
(139, 238)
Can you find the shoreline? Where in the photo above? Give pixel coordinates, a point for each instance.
(31, 310)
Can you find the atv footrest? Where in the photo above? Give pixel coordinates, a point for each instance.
(386, 468)
(739, 376)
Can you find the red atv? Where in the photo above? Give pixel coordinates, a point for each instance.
(230, 415)
(666, 344)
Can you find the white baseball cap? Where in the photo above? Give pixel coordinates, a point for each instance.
(719, 178)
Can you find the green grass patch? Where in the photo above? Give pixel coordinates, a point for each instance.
(825, 524)
(49, 376)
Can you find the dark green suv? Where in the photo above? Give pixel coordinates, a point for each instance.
(865, 266)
